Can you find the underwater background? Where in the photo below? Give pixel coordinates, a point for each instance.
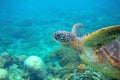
(26, 28)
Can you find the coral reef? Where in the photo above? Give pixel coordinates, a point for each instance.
(87, 75)
(66, 57)
(49, 68)
(3, 74)
(81, 68)
(36, 65)
(16, 73)
(6, 60)
(12, 68)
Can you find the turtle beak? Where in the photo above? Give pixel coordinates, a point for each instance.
(54, 35)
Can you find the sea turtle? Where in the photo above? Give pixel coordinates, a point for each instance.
(99, 49)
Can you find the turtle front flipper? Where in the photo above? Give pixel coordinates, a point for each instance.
(102, 36)
(77, 29)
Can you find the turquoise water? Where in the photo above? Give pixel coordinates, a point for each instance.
(26, 26)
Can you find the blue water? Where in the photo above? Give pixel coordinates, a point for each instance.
(34, 21)
(26, 26)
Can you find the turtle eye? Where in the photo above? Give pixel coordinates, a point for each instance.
(58, 34)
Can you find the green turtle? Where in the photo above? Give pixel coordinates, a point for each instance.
(99, 49)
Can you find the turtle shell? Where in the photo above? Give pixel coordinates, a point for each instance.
(111, 52)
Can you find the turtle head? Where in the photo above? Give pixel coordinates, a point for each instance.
(62, 37)
(71, 39)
